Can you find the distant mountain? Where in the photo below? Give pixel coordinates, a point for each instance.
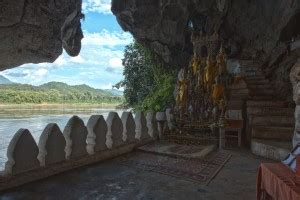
(56, 92)
(115, 92)
(65, 88)
(5, 81)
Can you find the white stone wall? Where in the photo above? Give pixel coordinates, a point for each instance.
(77, 145)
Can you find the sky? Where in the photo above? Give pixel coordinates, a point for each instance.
(99, 63)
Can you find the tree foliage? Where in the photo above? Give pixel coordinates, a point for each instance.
(148, 84)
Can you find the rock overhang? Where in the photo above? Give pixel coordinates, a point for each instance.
(248, 29)
(38, 31)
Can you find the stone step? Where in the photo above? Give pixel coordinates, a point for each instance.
(249, 64)
(251, 75)
(240, 91)
(251, 72)
(249, 67)
(237, 97)
(273, 132)
(235, 104)
(271, 149)
(245, 61)
(277, 104)
(256, 78)
(271, 120)
(258, 82)
(270, 111)
(191, 140)
(258, 87)
(260, 97)
(261, 92)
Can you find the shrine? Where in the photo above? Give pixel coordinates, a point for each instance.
(204, 95)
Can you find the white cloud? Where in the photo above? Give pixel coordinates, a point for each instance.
(99, 63)
(40, 72)
(99, 6)
(106, 38)
(78, 59)
(27, 75)
(106, 86)
(116, 63)
(61, 60)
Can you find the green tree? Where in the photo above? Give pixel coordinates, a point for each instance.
(148, 83)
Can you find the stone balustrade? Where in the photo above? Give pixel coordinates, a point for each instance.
(78, 145)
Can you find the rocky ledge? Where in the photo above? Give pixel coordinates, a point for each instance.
(37, 31)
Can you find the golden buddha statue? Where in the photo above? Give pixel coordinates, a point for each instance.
(181, 98)
(222, 61)
(196, 62)
(209, 73)
(218, 92)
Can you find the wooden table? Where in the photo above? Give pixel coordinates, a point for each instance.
(233, 126)
(276, 181)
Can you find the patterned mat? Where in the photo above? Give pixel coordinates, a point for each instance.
(192, 169)
(179, 150)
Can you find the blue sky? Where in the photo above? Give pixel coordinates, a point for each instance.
(99, 62)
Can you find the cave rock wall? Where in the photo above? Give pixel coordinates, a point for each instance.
(249, 29)
(35, 31)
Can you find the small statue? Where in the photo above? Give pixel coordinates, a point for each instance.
(222, 61)
(210, 73)
(182, 96)
(196, 62)
(218, 91)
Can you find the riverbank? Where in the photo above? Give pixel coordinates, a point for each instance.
(47, 106)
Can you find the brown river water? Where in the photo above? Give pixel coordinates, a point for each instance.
(11, 120)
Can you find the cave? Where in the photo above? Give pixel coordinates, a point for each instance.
(236, 104)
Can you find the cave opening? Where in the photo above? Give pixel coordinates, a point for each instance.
(292, 29)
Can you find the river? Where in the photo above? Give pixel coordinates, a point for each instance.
(11, 120)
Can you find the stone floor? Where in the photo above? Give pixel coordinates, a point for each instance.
(109, 180)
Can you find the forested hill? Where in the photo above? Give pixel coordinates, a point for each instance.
(56, 92)
(5, 81)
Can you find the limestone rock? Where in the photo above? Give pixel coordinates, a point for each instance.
(37, 31)
(75, 134)
(128, 127)
(51, 146)
(97, 130)
(22, 153)
(163, 25)
(256, 30)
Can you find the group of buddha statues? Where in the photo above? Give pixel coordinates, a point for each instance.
(202, 86)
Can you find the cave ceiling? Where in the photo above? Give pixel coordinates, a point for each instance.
(248, 29)
(38, 31)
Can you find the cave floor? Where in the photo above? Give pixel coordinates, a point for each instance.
(110, 180)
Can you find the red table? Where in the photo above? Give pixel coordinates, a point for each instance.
(278, 182)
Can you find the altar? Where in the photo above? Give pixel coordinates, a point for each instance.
(277, 181)
(203, 94)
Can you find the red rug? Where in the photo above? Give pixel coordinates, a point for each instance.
(192, 169)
